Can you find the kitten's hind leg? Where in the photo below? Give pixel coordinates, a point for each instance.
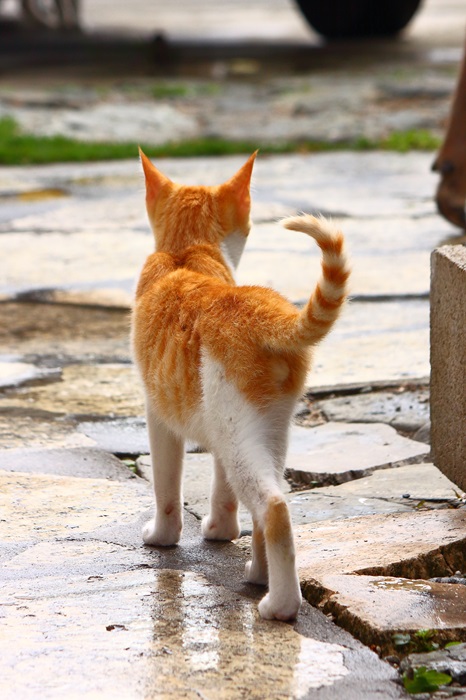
(257, 484)
(283, 600)
(273, 544)
(222, 522)
(167, 464)
(256, 569)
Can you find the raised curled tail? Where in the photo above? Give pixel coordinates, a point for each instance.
(329, 295)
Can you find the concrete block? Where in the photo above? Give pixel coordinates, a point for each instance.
(448, 362)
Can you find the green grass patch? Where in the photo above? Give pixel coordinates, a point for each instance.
(169, 90)
(164, 90)
(17, 148)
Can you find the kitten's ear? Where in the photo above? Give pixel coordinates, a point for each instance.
(239, 184)
(155, 180)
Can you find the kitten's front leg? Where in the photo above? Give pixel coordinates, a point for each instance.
(222, 522)
(167, 464)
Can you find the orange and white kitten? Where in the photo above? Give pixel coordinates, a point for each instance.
(223, 366)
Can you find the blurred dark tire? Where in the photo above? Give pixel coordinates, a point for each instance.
(346, 19)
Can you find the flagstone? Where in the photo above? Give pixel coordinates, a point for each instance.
(406, 410)
(371, 573)
(333, 453)
(107, 390)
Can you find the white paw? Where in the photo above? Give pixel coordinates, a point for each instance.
(220, 529)
(254, 575)
(156, 535)
(286, 609)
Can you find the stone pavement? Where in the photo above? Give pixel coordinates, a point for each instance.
(86, 610)
(94, 613)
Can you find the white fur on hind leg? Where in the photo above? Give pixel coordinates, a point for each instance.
(251, 445)
(283, 609)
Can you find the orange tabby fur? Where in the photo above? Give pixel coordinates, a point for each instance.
(205, 346)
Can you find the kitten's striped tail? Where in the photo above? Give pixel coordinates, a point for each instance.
(329, 295)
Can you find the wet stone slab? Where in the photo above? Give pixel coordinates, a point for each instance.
(127, 436)
(290, 262)
(333, 453)
(385, 342)
(383, 491)
(335, 182)
(53, 334)
(375, 608)
(370, 343)
(99, 236)
(62, 507)
(107, 390)
(27, 429)
(388, 234)
(132, 634)
(91, 609)
(404, 409)
(398, 544)
(81, 462)
(109, 257)
(372, 573)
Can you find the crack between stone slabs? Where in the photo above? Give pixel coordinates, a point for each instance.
(193, 513)
(383, 298)
(337, 497)
(54, 375)
(72, 417)
(40, 296)
(327, 390)
(443, 561)
(58, 362)
(319, 480)
(29, 298)
(31, 413)
(5, 231)
(132, 547)
(376, 298)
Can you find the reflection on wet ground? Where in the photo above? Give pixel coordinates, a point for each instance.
(163, 633)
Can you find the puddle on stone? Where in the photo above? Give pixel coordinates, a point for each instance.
(374, 608)
(402, 584)
(210, 631)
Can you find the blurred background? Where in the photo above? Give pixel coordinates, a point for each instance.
(274, 73)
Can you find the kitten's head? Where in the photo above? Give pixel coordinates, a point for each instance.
(182, 216)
